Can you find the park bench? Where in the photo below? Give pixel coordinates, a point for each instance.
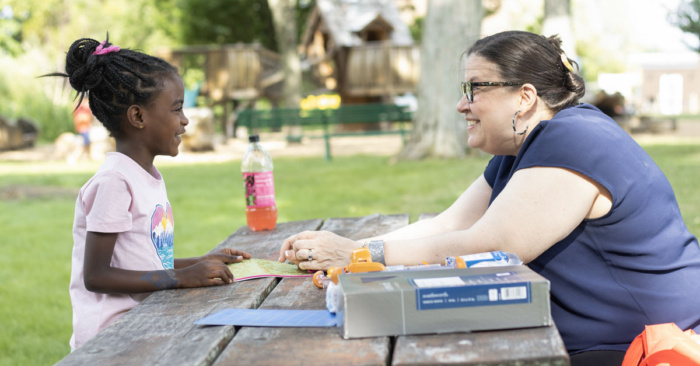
(354, 119)
(657, 123)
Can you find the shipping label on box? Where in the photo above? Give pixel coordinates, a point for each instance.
(476, 290)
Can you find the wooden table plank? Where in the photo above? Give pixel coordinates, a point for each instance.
(312, 346)
(161, 329)
(529, 346)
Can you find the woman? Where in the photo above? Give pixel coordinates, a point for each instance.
(568, 191)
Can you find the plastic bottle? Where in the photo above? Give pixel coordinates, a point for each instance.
(489, 259)
(259, 185)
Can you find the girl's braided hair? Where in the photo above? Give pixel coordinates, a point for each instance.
(113, 81)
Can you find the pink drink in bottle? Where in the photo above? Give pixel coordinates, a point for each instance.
(261, 211)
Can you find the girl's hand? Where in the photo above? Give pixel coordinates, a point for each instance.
(227, 255)
(317, 250)
(204, 273)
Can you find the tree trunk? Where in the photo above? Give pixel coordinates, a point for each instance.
(450, 26)
(557, 20)
(284, 17)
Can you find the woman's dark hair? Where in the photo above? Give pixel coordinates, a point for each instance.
(113, 81)
(525, 57)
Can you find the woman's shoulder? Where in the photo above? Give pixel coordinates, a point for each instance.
(584, 126)
(583, 117)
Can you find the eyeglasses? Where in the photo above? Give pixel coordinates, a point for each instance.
(468, 87)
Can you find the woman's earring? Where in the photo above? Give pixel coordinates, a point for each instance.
(516, 131)
(140, 126)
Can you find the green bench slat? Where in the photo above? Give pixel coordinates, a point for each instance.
(347, 114)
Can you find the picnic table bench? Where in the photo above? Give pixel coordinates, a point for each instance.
(329, 120)
(161, 330)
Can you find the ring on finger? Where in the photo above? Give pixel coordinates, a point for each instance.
(311, 256)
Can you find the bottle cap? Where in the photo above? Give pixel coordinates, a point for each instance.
(254, 138)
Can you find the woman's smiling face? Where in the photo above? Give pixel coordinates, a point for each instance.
(490, 113)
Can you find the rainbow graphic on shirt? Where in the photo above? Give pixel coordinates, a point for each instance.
(163, 234)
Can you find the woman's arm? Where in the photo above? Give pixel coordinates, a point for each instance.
(331, 250)
(539, 207)
(461, 215)
(100, 277)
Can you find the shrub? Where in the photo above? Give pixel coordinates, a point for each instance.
(46, 101)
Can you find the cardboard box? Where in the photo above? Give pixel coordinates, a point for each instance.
(441, 301)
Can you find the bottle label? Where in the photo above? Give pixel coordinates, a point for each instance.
(259, 189)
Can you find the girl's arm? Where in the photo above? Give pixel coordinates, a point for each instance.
(100, 277)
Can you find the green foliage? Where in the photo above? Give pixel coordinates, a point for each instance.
(147, 25)
(54, 24)
(10, 31)
(225, 21)
(25, 95)
(35, 265)
(594, 60)
(417, 29)
(536, 26)
(687, 18)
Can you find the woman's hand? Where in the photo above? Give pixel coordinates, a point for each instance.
(317, 250)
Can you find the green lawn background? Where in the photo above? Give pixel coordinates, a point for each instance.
(208, 204)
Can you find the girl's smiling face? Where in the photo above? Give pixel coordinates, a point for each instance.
(164, 118)
(490, 113)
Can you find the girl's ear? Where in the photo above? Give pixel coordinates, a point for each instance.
(134, 116)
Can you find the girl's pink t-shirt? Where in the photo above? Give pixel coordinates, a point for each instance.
(120, 198)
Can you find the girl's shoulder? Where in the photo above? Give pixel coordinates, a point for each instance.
(106, 179)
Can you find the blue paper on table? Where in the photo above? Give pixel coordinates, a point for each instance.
(270, 318)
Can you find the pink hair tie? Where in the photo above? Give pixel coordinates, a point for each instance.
(100, 50)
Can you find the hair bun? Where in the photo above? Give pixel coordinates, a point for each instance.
(80, 66)
(556, 42)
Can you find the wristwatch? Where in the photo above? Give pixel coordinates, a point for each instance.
(376, 250)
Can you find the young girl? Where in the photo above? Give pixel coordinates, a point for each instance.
(123, 229)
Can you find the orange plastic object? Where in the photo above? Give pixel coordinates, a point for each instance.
(334, 272)
(365, 267)
(460, 262)
(360, 255)
(319, 278)
(362, 262)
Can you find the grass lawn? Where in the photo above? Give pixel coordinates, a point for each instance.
(37, 202)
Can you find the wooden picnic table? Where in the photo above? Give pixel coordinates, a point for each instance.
(161, 330)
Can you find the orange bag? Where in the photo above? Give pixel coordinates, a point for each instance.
(664, 344)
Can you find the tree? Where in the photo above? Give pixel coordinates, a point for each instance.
(52, 25)
(449, 26)
(226, 21)
(10, 31)
(557, 20)
(284, 17)
(687, 19)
